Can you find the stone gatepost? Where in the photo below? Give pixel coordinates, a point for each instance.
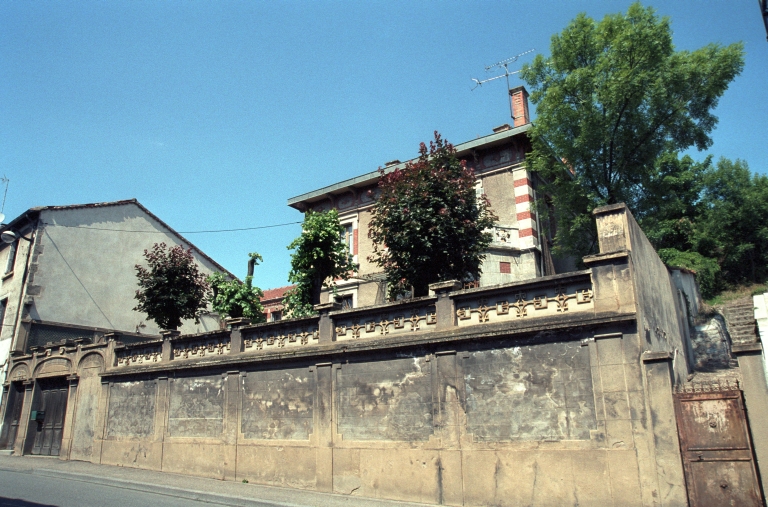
(325, 327)
(445, 308)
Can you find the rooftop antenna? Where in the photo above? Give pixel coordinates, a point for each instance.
(6, 181)
(507, 73)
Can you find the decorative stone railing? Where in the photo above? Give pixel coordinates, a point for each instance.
(450, 308)
(201, 345)
(402, 317)
(564, 294)
(281, 334)
(139, 353)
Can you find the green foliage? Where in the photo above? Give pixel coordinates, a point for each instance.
(171, 288)
(428, 224)
(706, 268)
(733, 224)
(612, 99)
(235, 299)
(320, 256)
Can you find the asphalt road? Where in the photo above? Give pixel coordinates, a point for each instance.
(24, 489)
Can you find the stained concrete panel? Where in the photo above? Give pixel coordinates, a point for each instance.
(283, 466)
(131, 409)
(532, 392)
(196, 407)
(278, 404)
(385, 400)
(86, 411)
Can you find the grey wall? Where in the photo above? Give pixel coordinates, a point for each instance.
(85, 275)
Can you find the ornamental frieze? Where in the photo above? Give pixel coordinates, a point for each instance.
(140, 355)
(386, 324)
(201, 348)
(280, 339)
(522, 304)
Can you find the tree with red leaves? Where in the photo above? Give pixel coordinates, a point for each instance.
(171, 288)
(428, 223)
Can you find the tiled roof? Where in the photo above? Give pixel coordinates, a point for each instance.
(277, 293)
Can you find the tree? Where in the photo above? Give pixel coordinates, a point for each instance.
(236, 299)
(171, 288)
(428, 223)
(320, 256)
(612, 98)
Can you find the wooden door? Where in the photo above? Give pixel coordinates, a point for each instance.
(13, 415)
(53, 401)
(716, 446)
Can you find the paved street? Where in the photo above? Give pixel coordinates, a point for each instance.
(43, 482)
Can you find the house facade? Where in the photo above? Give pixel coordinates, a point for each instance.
(69, 275)
(518, 250)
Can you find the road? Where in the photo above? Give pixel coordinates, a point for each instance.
(25, 489)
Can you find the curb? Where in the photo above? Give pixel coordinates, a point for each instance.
(200, 496)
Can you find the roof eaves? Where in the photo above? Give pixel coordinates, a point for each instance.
(371, 177)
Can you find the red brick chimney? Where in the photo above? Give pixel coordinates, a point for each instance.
(519, 99)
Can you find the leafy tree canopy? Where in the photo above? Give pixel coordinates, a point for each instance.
(236, 299)
(171, 288)
(428, 224)
(320, 256)
(612, 99)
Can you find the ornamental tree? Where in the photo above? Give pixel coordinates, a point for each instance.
(235, 299)
(320, 256)
(611, 99)
(171, 288)
(429, 224)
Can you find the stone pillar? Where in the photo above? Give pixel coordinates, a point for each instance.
(100, 426)
(21, 435)
(236, 336)
(670, 479)
(326, 329)
(445, 306)
(324, 424)
(69, 418)
(161, 414)
(110, 361)
(750, 357)
(231, 422)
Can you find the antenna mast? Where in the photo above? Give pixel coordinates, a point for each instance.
(507, 73)
(6, 181)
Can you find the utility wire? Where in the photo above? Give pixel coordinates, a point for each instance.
(179, 232)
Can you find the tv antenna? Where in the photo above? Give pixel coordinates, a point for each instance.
(6, 181)
(505, 65)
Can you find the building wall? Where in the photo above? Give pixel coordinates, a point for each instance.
(83, 268)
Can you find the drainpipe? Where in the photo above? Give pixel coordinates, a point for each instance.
(538, 230)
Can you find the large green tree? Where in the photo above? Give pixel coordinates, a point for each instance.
(319, 256)
(171, 287)
(613, 97)
(236, 299)
(428, 224)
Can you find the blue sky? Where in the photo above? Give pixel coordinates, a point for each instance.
(213, 114)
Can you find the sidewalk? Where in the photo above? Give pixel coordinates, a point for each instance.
(185, 486)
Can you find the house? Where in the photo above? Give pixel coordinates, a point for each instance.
(68, 275)
(518, 252)
(273, 303)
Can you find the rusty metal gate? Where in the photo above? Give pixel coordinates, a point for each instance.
(716, 446)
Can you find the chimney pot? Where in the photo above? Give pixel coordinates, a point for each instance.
(392, 162)
(519, 99)
(502, 128)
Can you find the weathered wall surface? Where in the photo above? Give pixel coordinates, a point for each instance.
(507, 422)
(87, 410)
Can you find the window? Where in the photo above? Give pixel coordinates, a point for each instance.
(275, 316)
(3, 305)
(348, 238)
(346, 301)
(505, 267)
(11, 258)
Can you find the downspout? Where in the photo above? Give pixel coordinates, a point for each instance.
(538, 230)
(23, 292)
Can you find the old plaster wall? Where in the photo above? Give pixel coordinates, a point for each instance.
(86, 419)
(84, 257)
(532, 421)
(497, 187)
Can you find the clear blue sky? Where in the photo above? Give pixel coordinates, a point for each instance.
(213, 114)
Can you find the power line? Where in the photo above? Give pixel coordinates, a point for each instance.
(179, 232)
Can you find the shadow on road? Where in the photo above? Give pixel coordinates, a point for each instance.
(16, 502)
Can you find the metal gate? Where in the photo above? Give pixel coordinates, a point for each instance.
(716, 446)
(49, 427)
